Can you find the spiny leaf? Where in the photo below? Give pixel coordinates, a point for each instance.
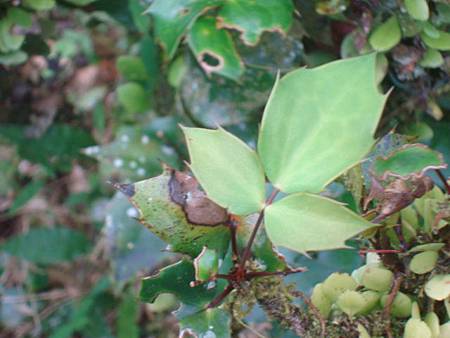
(214, 49)
(163, 213)
(305, 222)
(173, 17)
(319, 122)
(252, 18)
(175, 279)
(409, 160)
(227, 169)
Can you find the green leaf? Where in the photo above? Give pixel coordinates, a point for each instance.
(80, 2)
(175, 279)
(216, 100)
(206, 264)
(319, 122)
(427, 247)
(48, 246)
(418, 9)
(439, 41)
(438, 287)
(142, 22)
(263, 248)
(174, 17)
(252, 18)
(133, 97)
(386, 35)
(409, 160)
(305, 222)
(416, 328)
(39, 5)
(209, 323)
(351, 302)
(13, 58)
(161, 210)
(228, 170)
(423, 262)
(214, 49)
(132, 68)
(9, 42)
(432, 59)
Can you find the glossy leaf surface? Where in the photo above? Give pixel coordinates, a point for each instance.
(318, 123)
(173, 17)
(305, 222)
(175, 279)
(411, 159)
(252, 18)
(228, 170)
(214, 49)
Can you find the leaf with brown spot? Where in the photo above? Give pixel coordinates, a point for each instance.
(199, 209)
(158, 202)
(214, 49)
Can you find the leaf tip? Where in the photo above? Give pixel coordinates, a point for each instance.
(128, 189)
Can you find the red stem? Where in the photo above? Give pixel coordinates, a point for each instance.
(247, 251)
(442, 178)
(234, 247)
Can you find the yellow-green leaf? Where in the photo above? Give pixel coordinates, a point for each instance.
(228, 170)
(319, 122)
(423, 262)
(432, 59)
(418, 9)
(438, 287)
(386, 35)
(305, 222)
(439, 40)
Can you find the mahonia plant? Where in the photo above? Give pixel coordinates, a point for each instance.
(226, 217)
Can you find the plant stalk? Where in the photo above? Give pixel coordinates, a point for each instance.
(247, 251)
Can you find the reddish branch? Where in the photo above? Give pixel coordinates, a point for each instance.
(388, 306)
(239, 273)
